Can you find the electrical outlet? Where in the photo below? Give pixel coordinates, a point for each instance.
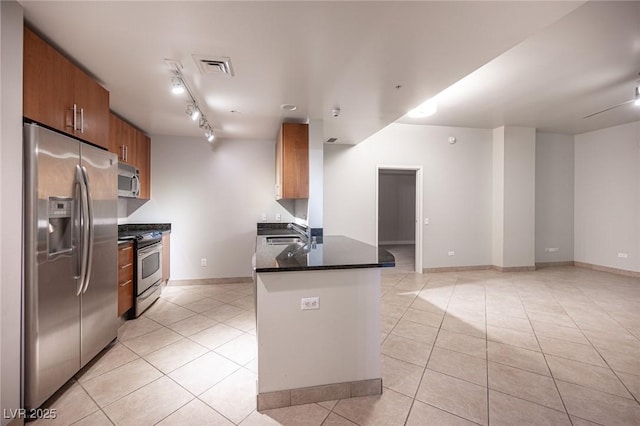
(426, 220)
(309, 303)
(451, 253)
(263, 217)
(203, 262)
(278, 217)
(623, 255)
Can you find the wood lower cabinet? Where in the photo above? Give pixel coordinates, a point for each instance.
(59, 94)
(166, 257)
(125, 278)
(133, 147)
(292, 161)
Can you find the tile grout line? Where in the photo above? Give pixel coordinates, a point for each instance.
(430, 352)
(555, 383)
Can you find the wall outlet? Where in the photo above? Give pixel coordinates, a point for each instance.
(451, 253)
(203, 262)
(263, 217)
(309, 303)
(278, 217)
(623, 255)
(426, 220)
(551, 249)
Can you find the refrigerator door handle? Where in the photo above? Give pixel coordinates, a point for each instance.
(76, 236)
(89, 228)
(84, 232)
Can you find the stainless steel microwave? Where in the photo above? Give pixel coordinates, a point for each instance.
(128, 181)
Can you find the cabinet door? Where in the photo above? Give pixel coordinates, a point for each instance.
(143, 163)
(295, 160)
(122, 139)
(47, 85)
(166, 256)
(92, 103)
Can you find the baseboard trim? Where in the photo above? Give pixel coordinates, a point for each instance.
(457, 268)
(513, 268)
(334, 391)
(205, 281)
(542, 265)
(608, 269)
(396, 243)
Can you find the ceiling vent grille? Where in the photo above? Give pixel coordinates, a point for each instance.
(331, 140)
(214, 65)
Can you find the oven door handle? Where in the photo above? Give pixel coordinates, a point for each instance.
(147, 250)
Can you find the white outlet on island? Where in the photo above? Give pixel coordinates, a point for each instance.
(310, 303)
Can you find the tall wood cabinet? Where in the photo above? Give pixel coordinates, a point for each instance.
(132, 147)
(60, 95)
(292, 161)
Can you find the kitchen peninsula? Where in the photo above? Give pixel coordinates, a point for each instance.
(318, 318)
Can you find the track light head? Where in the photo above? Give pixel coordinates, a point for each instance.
(177, 86)
(193, 111)
(636, 99)
(209, 135)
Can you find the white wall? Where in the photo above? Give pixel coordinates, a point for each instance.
(456, 193)
(397, 208)
(554, 196)
(213, 198)
(11, 16)
(607, 197)
(519, 196)
(497, 223)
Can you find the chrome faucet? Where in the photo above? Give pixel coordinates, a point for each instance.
(304, 231)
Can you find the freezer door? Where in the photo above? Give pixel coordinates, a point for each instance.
(51, 303)
(99, 299)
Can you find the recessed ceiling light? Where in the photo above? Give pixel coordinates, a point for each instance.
(424, 110)
(288, 107)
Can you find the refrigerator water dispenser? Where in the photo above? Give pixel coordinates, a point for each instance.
(60, 225)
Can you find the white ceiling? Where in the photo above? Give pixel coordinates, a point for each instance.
(560, 63)
(584, 63)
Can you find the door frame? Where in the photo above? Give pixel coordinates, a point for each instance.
(418, 213)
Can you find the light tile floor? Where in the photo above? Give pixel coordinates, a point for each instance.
(558, 346)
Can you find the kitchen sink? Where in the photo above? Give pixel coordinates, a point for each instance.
(283, 240)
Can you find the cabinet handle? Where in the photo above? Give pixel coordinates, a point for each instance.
(126, 248)
(126, 266)
(126, 153)
(75, 119)
(126, 283)
(122, 155)
(81, 120)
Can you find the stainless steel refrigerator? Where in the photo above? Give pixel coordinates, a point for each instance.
(70, 258)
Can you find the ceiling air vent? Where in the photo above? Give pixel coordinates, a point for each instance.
(214, 65)
(331, 140)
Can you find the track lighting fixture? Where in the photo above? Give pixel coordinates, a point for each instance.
(636, 100)
(179, 85)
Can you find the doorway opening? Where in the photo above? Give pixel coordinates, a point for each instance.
(399, 207)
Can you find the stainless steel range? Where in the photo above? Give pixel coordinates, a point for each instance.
(148, 273)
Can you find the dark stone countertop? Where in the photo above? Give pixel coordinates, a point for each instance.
(335, 252)
(135, 227)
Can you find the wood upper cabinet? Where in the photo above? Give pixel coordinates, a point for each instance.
(143, 163)
(53, 88)
(132, 147)
(125, 277)
(292, 161)
(122, 139)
